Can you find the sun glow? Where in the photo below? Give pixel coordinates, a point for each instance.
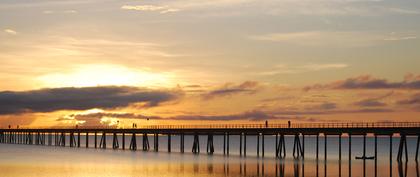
(101, 75)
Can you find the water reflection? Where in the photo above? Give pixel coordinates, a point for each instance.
(34, 161)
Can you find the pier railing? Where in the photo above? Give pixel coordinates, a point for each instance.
(247, 126)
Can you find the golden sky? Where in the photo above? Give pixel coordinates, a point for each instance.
(120, 62)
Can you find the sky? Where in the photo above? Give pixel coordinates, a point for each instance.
(118, 62)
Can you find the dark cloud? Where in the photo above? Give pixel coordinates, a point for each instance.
(369, 103)
(369, 82)
(48, 100)
(413, 100)
(249, 87)
(253, 115)
(373, 102)
(323, 106)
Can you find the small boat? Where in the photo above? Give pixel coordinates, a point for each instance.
(365, 157)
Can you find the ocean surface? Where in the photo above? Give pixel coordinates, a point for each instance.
(18, 160)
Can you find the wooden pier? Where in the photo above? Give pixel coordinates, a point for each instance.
(71, 136)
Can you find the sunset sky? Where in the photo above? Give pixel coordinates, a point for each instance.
(99, 62)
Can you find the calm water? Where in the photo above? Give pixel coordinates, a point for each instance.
(51, 161)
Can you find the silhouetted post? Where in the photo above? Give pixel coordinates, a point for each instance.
(123, 141)
(196, 144)
(258, 145)
(364, 145)
(169, 142)
(78, 139)
(115, 143)
(349, 155)
(182, 142)
(277, 147)
(390, 155)
(240, 145)
(224, 143)
(133, 142)
(245, 144)
(146, 145)
(376, 155)
(262, 143)
(417, 147)
(339, 148)
(87, 139)
(96, 140)
(104, 142)
(303, 148)
(227, 143)
(156, 142)
(325, 148)
(210, 147)
(317, 146)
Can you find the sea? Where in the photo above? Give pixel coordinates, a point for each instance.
(20, 160)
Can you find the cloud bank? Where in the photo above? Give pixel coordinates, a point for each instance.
(70, 98)
(369, 82)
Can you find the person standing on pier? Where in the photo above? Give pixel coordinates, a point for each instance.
(289, 123)
(266, 123)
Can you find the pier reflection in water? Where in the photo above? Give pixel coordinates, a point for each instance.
(296, 168)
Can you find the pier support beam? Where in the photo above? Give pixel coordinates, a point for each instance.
(182, 144)
(169, 142)
(102, 143)
(339, 148)
(240, 144)
(133, 142)
(280, 147)
(96, 140)
(87, 139)
(244, 144)
(417, 148)
(325, 148)
(62, 141)
(224, 143)
(146, 145)
(262, 144)
(115, 143)
(78, 139)
(156, 142)
(196, 145)
(123, 141)
(227, 143)
(258, 145)
(210, 146)
(376, 155)
(402, 147)
(390, 155)
(349, 155)
(317, 146)
(297, 147)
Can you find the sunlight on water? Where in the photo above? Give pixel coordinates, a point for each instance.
(51, 161)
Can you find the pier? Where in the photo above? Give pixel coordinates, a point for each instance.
(71, 137)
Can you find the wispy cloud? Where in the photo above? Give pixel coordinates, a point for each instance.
(373, 102)
(160, 9)
(10, 31)
(296, 69)
(60, 12)
(332, 38)
(369, 82)
(248, 87)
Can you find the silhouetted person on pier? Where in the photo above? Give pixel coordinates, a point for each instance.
(289, 123)
(266, 124)
(10, 126)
